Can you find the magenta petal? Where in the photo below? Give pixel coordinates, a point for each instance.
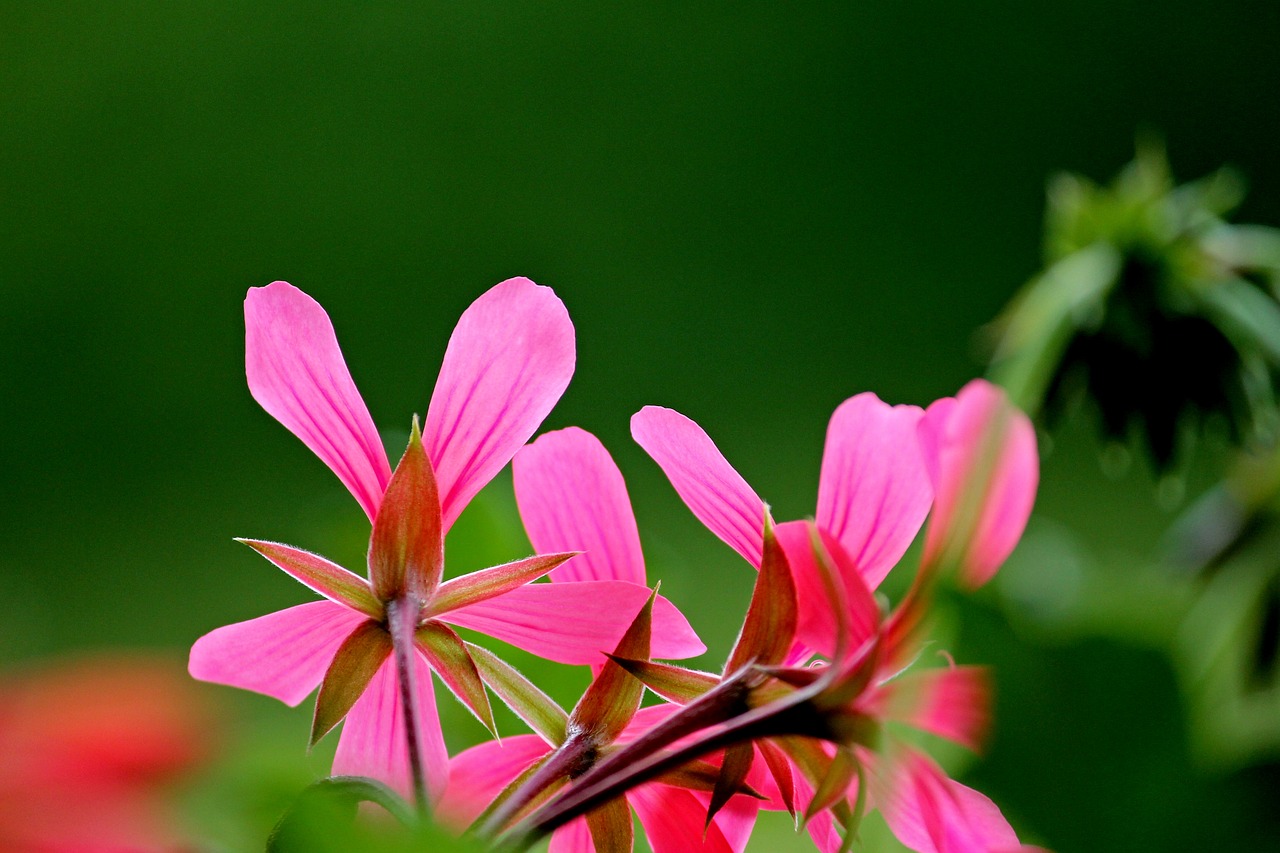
(296, 372)
(479, 774)
(283, 654)
(645, 719)
(737, 819)
(817, 620)
(822, 826)
(954, 436)
(373, 736)
(874, 493)
(703, 478)
(572, 498)
(931, 813)
(952, 702)
(673, 820)
(576, 622)
(510, 358)
(573, 837)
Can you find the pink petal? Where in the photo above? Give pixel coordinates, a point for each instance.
(373, 736)
(736, 820)
(572, 498)
(954, 436)
(645, 719)
(817, 618)
(479, 774)
(705, 481)
(510, 358)
(738, 817)
(951, 702)
(573, 837)
(296, 372)
(673, 820)
(931, 813)
(822, 826)
(576, 622)
(283, 654)
(874, 493)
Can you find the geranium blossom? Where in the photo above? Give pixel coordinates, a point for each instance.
(569, 490)
(874, 493)
(508, 360)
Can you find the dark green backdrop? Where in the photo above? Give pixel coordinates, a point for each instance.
(752, 210)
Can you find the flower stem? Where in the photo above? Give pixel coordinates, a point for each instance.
(402, 618)
(562, 764)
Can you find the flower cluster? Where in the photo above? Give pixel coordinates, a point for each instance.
(798, 719)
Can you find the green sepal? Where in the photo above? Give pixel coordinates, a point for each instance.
(611, 827)
(835, 783)
(335, 798)
(673, 683)
(613, 697)
(492, 582)
(530, 704)
(859, 810)
(449, 658)
(814, 764)
(327, 578)
(733, 774)
(770, 626)
(406, 550)
(353, 667)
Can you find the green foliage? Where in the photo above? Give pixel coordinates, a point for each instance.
(1153, 307)
(327, 818)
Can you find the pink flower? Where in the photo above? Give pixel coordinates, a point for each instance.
(932, 813)
(674, 818)
(570, 491)
(880, 469)
(980, 452)
(873, 495)
(509, 359)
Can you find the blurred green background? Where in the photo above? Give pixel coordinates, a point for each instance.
(751, 210)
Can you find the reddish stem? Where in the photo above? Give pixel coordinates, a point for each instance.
(402, 619)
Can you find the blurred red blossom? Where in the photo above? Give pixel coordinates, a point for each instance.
(88, 749)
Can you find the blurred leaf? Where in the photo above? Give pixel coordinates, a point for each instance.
(1037, 325)
(1249, 314)
(322, 818)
